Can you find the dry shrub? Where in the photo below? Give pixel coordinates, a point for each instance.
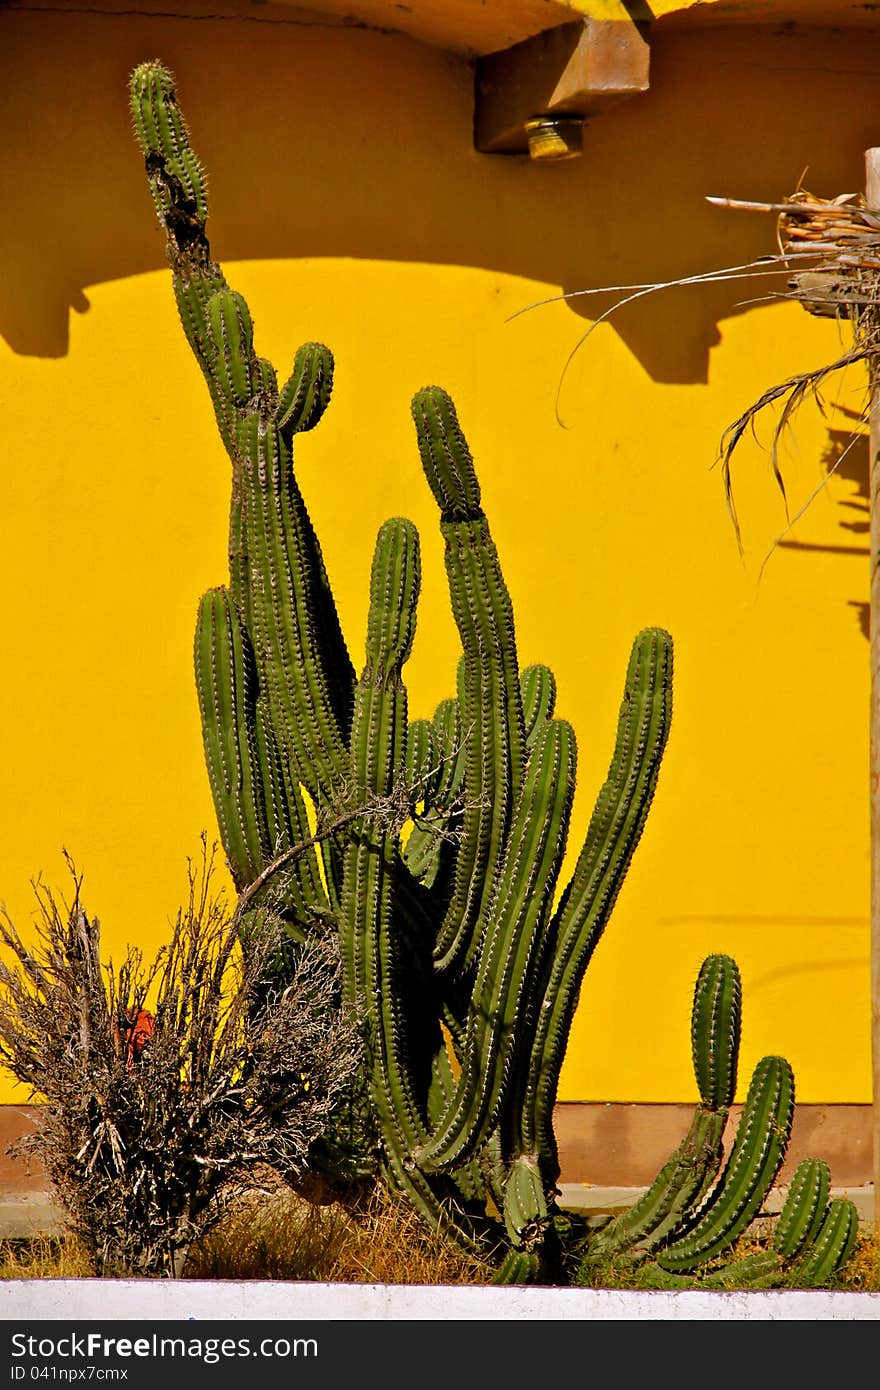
(148, 1140)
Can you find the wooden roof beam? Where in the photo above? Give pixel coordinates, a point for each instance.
(534, 98)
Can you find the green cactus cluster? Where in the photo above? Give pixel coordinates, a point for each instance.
(433, 847)
(688, 1221)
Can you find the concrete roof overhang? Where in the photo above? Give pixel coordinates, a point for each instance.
(541, 67)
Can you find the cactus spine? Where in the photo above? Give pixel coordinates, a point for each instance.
(439, 842)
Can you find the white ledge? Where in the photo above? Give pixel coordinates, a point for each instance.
(29, 1300)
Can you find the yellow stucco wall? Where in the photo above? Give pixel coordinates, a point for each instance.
(348, 205)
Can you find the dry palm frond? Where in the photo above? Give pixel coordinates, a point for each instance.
(762, 266)
(829, 250)
(793, 391)
(843, 236)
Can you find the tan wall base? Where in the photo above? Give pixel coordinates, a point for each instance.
(625, 1145)
(601, 1144)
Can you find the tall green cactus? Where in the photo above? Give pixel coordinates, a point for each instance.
(435, 846)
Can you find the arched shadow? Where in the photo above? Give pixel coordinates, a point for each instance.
(304, 163)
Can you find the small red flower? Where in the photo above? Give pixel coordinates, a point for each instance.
(133, 1032)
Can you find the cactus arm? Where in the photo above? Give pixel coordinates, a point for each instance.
(804, 1208)
(515, 918)
(232, 340)
(177, 180)
(831, 1247)
(585, 906)
(252, 806)
(288, 825)
(518, 1267)
(370, 954)
(716, 1013)
(825, 1235)
(440, 1205)
(304, 397)
(538, 688)
(525, 1203)
(429, 848)
(450, 752)
(226, 682)
(421, 760)
(208, 311)
(491, 709)
(755, 1158)
(763, 1270)
(716, 1022)
(420, 853)
(470, 1181)
(179, 191)
(680, 1183)
(280, 543)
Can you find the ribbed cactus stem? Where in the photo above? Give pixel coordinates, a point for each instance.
(305, 395)
(538, 689)
(244, 393)
(715, 1030)
(450, 752)
(499, 1002)
(525, 1202)
(831, 1247)
(370, 952)
(260, 817)
(177, 179)
(755, 1158)
(446, 458)
(226, 682)
(670, 1198)
(434, 772)
(394, 588)
(285, 604)
(585, 906)
(178, 187)
(232, 339)
(684, 1178)
(490, 702)
(438, 1203)
(422, 767)
(804, 1207)
(761, 1270)
(518, 1267)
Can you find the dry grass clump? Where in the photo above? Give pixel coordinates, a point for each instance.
(154, 1117)
(377, 1240)
(274, 1234)
(862, 1270)
(44, 1257)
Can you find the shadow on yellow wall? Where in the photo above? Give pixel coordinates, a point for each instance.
(331, 143)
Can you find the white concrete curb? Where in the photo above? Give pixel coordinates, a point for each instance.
(105, 1300)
